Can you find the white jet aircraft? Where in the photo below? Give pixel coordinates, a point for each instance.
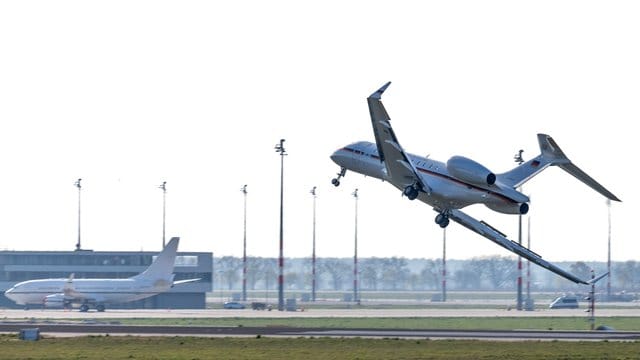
(56, 293)
(460, 182)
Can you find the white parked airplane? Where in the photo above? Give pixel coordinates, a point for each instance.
(460, 182)
(157, 278)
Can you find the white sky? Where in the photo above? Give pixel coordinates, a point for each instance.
(127, 94)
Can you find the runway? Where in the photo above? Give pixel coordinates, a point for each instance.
(52, 323)
(311, 313)
(82, 330)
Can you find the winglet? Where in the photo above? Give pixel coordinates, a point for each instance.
(378, 93)
(595, 280)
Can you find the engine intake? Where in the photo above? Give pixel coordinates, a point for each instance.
(467, 170)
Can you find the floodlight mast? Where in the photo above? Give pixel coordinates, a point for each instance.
(280, 149)
(79, 186)
(163, 187)
(444, 264)
(313, 252)
(244, 247)
(518, 159)
(355, 256)
(609, 251)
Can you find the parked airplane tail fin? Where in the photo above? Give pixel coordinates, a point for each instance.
(550, 155)
(162, 266)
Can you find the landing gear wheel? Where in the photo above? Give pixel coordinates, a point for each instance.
(84, 308)
(411, 192)
(100, 308)
(335, 182)
(442, 220)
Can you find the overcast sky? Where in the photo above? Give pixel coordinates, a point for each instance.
(128, 94)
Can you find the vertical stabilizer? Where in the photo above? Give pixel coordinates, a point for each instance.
(162, 266)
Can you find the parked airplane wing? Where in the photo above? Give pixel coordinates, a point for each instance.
(399, 167)
(498, 238)
(178, 282)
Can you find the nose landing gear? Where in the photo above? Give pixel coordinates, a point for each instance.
(336, 181)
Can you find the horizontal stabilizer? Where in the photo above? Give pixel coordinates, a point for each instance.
(572, 169)
(552, 153)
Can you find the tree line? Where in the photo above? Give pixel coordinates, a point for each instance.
(398, 273)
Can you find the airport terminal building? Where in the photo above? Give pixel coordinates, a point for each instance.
(18, 266)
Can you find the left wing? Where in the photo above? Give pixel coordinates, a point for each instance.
(399, 167)
(500, 239)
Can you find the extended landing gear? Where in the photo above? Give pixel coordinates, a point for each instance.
(411, 192)
(336, 181)
(442, 219)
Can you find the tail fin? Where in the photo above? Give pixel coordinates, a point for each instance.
(162, 266)
(550, 155)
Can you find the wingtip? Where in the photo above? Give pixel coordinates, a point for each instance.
(378, 93)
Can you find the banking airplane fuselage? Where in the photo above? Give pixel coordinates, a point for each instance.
(449, 187)
(446, 191)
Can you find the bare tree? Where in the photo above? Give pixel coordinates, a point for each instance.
(370, 270)
(395, 273)
(229, 267)
(338, 269)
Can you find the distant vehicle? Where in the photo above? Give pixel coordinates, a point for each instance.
(63, 293)
(233, 305)
(258, 306)
(565, 302)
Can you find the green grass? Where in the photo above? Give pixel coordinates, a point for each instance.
(127, 347)
(462, 323)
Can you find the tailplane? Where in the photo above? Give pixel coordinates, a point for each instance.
(162, 266)
(550, 155)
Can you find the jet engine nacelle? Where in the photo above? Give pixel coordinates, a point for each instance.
(56, 301)
(467, 170)
(509, 208)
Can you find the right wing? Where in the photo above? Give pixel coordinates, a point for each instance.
(399, 167)
(500, 239)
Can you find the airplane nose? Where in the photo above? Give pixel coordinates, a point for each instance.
(9, 294)
(340, 157)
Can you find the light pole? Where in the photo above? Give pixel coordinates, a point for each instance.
(592, 301)
(244, 247)
(609, 252)
(518, 158)
(79, 186)
(444, 264)
(313, 252)
(220, 272)
(529, 305)
(355, 256)
(280, 149)
(163, 187)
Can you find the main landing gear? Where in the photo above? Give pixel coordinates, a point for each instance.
(336, 181)
(442, 219)
(411, 192)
